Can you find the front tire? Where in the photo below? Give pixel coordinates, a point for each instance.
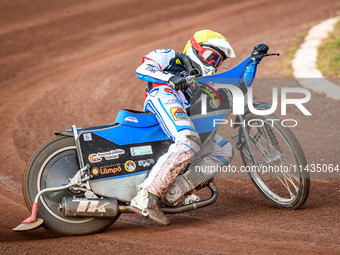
(279, 173)
(53, 164)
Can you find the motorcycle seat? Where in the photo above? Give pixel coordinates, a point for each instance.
(134, 118)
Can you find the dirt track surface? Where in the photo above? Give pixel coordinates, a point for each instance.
(73, 62)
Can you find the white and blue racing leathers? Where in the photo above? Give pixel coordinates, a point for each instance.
(169, 107)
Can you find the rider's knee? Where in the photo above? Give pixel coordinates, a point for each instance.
(190, 140)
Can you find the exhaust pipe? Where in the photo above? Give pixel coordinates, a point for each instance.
(89, 207)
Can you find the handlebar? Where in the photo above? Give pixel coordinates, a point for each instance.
(261, 56)
(191, 78)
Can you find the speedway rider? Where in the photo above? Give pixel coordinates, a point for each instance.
(167, 96)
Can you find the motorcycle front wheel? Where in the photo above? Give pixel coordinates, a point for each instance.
(279, 169)
(52, 165)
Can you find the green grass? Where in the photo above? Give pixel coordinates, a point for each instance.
(329, 54)
(286, 63)
(288, 60)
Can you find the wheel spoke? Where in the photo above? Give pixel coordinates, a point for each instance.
(286, 185)
(269, 155)
(288, 177)
(266, 139)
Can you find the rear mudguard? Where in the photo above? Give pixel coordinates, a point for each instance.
(262, 106)
(69, 132)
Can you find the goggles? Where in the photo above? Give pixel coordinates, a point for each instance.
(210, 56)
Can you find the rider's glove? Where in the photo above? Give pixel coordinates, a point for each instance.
(260, 49)
(178, 83)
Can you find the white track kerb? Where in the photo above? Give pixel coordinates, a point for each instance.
(304, 62)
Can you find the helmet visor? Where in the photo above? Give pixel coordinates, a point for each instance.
(211, 57)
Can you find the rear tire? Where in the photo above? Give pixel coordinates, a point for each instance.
(287, 184)
(51, 166)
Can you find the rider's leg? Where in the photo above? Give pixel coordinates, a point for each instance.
(222, 153)
(178, 126)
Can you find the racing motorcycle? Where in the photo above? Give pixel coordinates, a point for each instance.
(82, 180)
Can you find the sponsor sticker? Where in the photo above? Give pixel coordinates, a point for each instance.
(171, 101)
(131, 119)
(94, 158)
(90, 206)
(110, 170)
(130, 166)
(141, 150)
(87, 137)
(106, 170)
(108, 155)
(194, 139)
(179, 113)
(146, 162)
(95, 171)
(168, 90)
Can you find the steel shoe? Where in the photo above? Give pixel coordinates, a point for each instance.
(147, 205)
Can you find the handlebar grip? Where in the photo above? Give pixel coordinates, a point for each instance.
(260, 56)
(190, 78)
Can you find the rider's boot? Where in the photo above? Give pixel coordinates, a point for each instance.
(147, 204)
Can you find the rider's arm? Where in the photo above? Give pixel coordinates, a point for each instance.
(153, 65)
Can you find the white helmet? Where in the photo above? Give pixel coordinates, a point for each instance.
(208, 49)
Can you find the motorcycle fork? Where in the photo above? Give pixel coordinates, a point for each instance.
(244, 139)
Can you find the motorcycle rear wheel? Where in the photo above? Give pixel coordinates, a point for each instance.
(53, 164)
(284, 180)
